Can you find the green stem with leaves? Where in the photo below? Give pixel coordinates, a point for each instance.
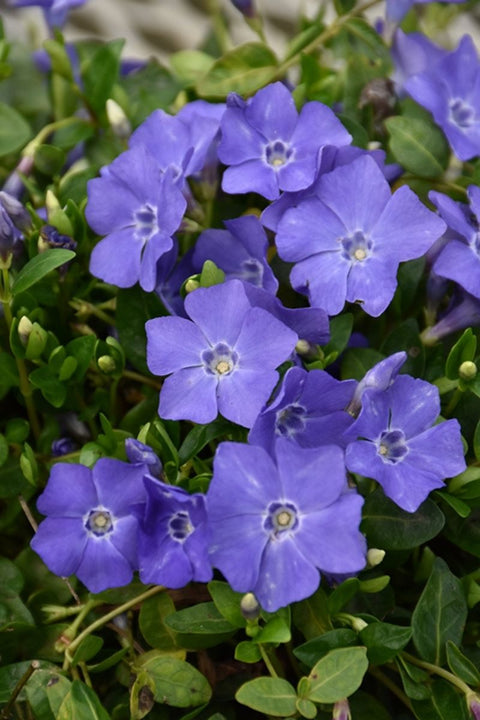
(106, 618)
(441, 672)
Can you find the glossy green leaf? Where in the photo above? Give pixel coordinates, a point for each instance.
(175, 682)
(248, 652)
(311, 616)
(311, 651)
(356, 362)
(271, 696)
(439, 615)
(444, 703)
(151, 621)
(100, 72)
(464, 349)
(134, 308)
(81, 703)
(191, 65)
(227, 602)
(307, 708)
(39, 266)
(338, 674)
(389, 527)
(87, 649)
(461, 666)
(384, 641)
(418, 145)
(201, 619)
(243, 70)
(46, 690)
(275, 631)
(15, 132)
(342, 595)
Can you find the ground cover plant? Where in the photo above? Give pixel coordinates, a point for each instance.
(240, 430)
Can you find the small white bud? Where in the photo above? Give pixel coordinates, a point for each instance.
(375, 557)
(51, 203)
(302, 347)
(24, 329)
(119, 122)
(467, 370)
(358, 624)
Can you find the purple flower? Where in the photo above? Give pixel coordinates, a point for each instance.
(246, 7)
(173, 540)
(347, 243)
(277, 522)
(397, 9)
(341, 710)
(139, 453)
(412, 54)
(63, 446)
(459, 259)
(92, 523)
(379, 377)
(269, 147)
(221, 360)
(463, 312)
(309, 409)
(449, 90)
(397, 443)
(138, 208)
(240, 251)
(181, 142)
(55, 11)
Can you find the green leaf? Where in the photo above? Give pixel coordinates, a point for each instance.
(176, 682)
(15, 132)
(275, 631)
(307, 708)
(338, 674)
(108, 662)
(39, 266)
(418, 145)
(460, 507)
(311, 616)
(439, 615)
(49, 159)
(134, 308)
(356, 362)
(50, 386)
(151, 622)
(201, 619)
(461, 666)
(248, 652)
(243, 70)
(413, 680)
(464, 349)
(46, 690)
(271, 696)
(200, 436)
(444, 703)
(389, 527)
(10, 576)
(87, 649)
(384, 641)
(81, 703)
(142, 696)
(191, 65)
(211, 274)
(311, 651)
(342, 595)
(100, 72)
(227, 602)
(464, 532)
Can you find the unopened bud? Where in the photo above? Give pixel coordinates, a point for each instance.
(24, 329)
(37, 339)
(374, 557)
(51, 203)
(106, 364)
(341, 710)
(119, 122)
(191, 285)
(358, 624)
(467, 370)
(15, 210)
(303, 347)
(250, 607)
(473, 702)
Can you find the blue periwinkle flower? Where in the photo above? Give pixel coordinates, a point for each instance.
(173, 540)
(223, 359)
(348, 241)
(276, 523)
(397, 9)
(55, 11)
(139, 453)
(269, 147)
(92, 522)
(396, 442)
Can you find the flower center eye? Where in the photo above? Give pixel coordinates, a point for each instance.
(356, 247)
(461, 113)
(179, 526)
(282, 516)
(251, 271)
(278, 153)
(392, 447)
(290, 420)
(220, 360)
(145, 221)
(99, 522)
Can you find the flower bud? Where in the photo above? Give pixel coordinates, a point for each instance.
(246, 7)
(51, 203)
(473, 702)
(119, 122)
(137, 452)
(303, 347)
(63, 446)
(24, 329)
(106, 364)
(379, 377)
(191, 284)
(374, 557)
(341, 710)
(37, 339)
(467, 370)
(250, 607)
(358, 624)
(15, 210)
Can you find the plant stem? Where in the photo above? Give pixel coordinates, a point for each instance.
(34, 665)
(106, 618)
(445, 674)
(266, 659)
(25, 386)
(132, 375)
